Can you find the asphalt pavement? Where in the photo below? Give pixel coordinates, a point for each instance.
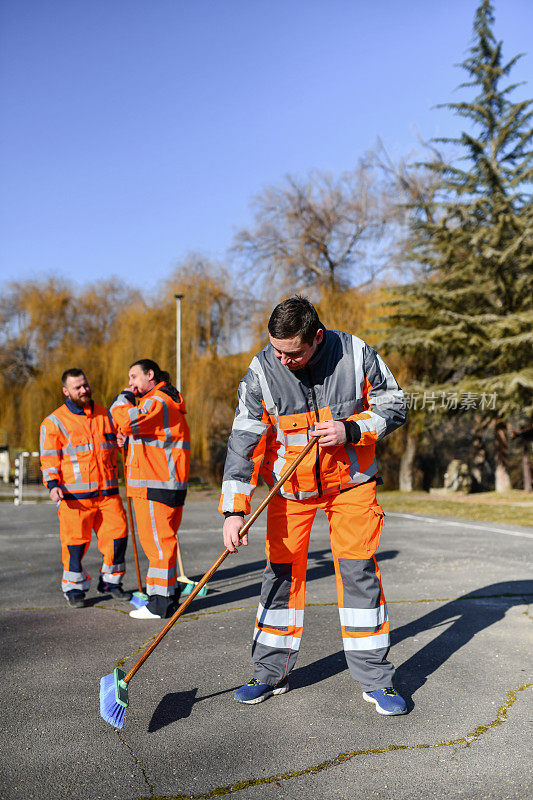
(458, 596)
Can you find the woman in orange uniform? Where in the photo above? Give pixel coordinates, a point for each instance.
(151, 412)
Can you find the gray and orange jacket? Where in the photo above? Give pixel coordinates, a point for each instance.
(159, 449)
(79, 451)
(346, 380)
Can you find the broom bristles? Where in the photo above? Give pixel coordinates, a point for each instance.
(111, 709)
(139, 599)
(188, 586)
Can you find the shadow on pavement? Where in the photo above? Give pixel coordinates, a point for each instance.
(178, 705)
(464, 618)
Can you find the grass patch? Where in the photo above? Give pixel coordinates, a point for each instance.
(509, 508)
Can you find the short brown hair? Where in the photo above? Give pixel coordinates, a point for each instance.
(73, 372)
(295, 316)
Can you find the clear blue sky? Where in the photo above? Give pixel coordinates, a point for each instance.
(136, 131)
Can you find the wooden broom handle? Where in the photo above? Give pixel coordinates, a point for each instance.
(178, 553)
(134, 544)
(186, 603)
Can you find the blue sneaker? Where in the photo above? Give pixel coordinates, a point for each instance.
(255, 692)
(387, 701)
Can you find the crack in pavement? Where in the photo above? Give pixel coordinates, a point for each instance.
(196, 615)
(137, 762)
(467, 740)
(342, 758)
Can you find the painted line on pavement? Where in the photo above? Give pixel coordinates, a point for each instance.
(463, 524)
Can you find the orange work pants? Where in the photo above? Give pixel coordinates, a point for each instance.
(355, 521)
(157, 525)
(77, 520)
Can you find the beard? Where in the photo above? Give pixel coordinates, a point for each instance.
(81, 402)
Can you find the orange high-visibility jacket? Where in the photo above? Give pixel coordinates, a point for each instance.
(78, 451)
(159, 444)
(345, 380)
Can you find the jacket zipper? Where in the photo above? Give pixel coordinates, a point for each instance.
(317, 458)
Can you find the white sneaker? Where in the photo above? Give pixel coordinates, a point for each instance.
(143, 613)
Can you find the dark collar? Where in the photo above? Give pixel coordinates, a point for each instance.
(76, 409)
(319, 352)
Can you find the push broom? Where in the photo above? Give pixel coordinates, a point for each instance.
(114, 687)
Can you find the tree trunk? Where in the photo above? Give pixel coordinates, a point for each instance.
(502, 479)
(526, 466)
(407, 463)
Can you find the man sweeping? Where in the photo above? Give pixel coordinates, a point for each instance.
(157, 473)
(79, 464)
(313, 382)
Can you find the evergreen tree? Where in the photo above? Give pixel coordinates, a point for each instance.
(465, 324)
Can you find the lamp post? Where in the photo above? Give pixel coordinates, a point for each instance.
(178, 341)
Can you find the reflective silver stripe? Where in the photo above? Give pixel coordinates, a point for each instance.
(82, 586)
(154, 529)
(48, 473)
(354, 461)
(70, 449)
(288, 642)
(121, 400)
(42, 437)
(238, 487)
(363, 617)
(243, 421)
(361, 477)
(375, 424)
(59, 424)
(366, 642)
(249, 425)
(279, 463)
(171, 484)
(280, 617)
(107, 568)
(130, 459)
(296, 439)
(358, 358)
(45, 453)
(168, 432)
(80, 486)
(165, 574)
(151, 441)
(135, 413)
(75, 580)
(134, 417)
(116, 579)
(298, 495)
(232, 488)
(74, 576)
(160, 591)
(390, 380)
(255, 366)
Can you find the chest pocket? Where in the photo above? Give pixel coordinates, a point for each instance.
(295, 431)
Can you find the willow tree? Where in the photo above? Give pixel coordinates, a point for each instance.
(466, 322)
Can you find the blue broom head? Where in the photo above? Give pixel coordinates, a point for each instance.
(139, 599)
(188, 587)
(113, 698)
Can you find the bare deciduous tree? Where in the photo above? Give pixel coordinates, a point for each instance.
(319, 232)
